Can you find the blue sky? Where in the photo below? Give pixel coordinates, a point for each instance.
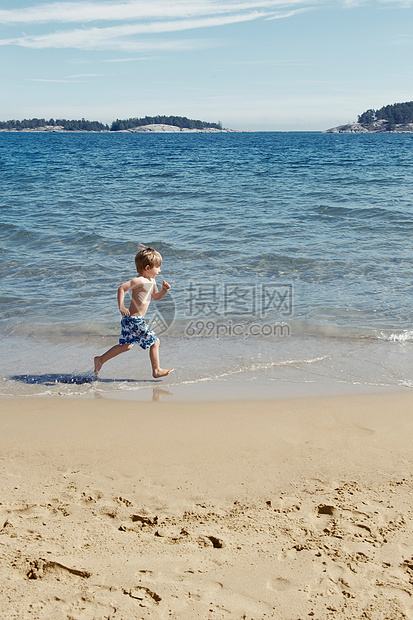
(251, 64)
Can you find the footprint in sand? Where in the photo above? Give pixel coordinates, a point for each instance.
(40, 568)
(280, 584)
(211, 541)
(144, 596)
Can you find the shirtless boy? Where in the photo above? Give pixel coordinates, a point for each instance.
(134, 329)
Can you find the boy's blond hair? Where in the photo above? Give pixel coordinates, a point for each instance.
(147, 257)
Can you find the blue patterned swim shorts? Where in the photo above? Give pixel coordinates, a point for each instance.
(134, 329)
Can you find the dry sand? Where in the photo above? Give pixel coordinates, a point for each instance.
(291, 509)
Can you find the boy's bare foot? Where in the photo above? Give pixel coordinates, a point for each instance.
(98, 364)
(157, 374)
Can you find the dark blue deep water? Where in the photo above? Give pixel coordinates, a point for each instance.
(301, 241)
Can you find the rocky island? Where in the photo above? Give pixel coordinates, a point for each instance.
(162, 128)
(148, 124)
(396, 118)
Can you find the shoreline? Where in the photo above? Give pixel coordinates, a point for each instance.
(334, 130)
(257, 509)
(197, 392)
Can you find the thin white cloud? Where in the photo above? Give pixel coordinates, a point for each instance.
(54, 81)
(142, 18)
(404, 4)
(270, 62)
(137, 59)
(153, 17)
(83, 12)
(113, 37)
(354, 4)
(286, 14)
(83, 75)
(403, 40)
(68, 79)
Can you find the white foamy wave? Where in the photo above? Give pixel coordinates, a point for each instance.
(404, 336)
(254, 367)
(406, 383)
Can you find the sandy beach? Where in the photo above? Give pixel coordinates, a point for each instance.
(286, 509)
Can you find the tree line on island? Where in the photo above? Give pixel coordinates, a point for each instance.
(177, 121)
(396, 114)
(119, 125)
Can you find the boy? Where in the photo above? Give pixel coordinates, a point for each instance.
(134, 329)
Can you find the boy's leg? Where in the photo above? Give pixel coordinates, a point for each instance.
(113, 352)
(157, 372)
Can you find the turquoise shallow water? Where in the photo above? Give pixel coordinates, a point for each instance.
(289, 256)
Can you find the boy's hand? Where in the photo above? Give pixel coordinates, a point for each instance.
(124, 311)
(166, 286)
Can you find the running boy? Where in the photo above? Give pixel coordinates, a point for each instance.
(134, 329)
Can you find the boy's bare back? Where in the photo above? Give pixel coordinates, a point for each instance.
(142, 290)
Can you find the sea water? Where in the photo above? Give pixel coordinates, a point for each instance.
(289, 256)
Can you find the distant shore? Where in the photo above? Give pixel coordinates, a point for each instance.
(376, 127)
(155, 128)
(354, 128)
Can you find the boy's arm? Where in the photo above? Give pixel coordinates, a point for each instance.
(156, 295)
(124, 288)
